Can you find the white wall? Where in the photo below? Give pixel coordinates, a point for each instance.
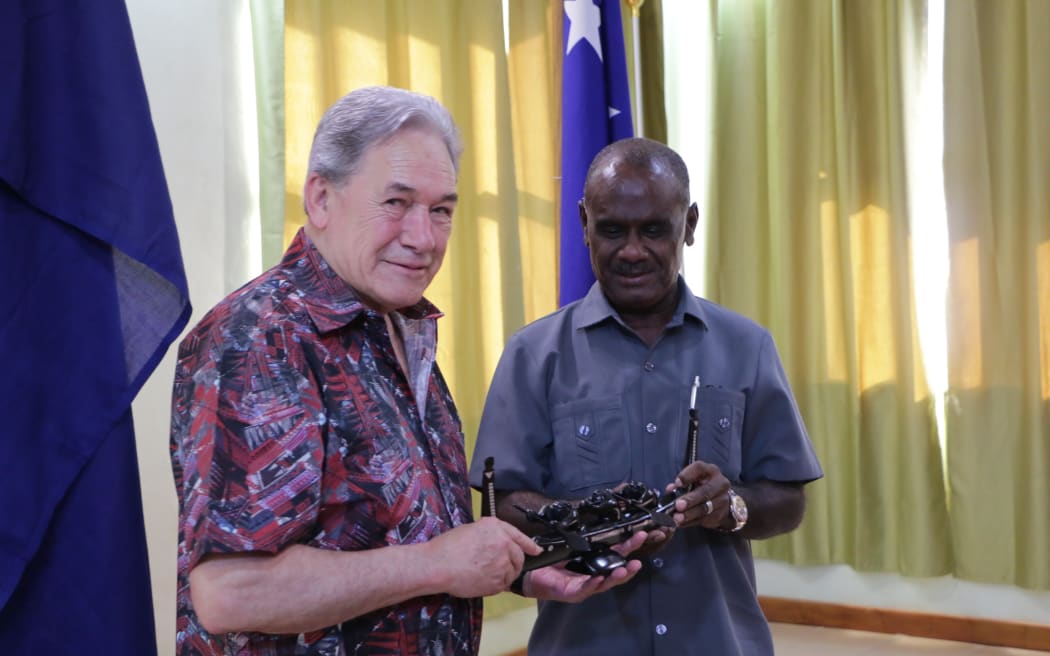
(193, 65)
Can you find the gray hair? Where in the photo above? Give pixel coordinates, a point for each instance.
(368, 116)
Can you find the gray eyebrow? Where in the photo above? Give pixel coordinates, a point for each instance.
(404, 188)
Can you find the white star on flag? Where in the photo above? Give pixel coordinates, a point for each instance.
(584, 17)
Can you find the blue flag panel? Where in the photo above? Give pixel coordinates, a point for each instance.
(95, 295)
(596, 110)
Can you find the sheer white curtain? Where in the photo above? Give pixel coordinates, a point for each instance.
(196, 58)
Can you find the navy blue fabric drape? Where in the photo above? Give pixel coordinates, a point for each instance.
(93, 293)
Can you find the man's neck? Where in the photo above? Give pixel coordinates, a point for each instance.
(397, 342)
(650, 324)
(648, 327)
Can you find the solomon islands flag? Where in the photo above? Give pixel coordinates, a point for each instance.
(596, 111)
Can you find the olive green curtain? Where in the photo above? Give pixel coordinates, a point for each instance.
(997, 170)
(808, 234)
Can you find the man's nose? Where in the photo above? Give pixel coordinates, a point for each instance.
(633, 249)
(417, 230)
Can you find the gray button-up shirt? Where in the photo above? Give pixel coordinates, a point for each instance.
(578, 402)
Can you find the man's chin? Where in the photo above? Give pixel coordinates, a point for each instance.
(631, 299)
(410, 296)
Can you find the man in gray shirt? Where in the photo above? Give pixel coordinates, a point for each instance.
(598, 393)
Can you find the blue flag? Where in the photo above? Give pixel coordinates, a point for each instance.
(94, 294)
(596, 111)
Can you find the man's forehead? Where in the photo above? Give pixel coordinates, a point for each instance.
(398, 187)
(635, 200)
(408, 144)
(409, 162)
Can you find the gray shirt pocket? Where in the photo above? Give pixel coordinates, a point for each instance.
(720, 413)
(591, 446)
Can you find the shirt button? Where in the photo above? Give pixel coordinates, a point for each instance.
(650, 427)
(661, 629)
(658, 563)
(649, 366)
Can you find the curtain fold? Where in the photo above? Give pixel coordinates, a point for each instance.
(651, 49)
(267, 20)
(534, 65)
(996, 162)
(654, 106)
(809, 235)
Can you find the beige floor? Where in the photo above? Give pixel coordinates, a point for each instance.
(509, 634)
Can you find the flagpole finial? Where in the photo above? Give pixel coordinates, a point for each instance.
(636, 6)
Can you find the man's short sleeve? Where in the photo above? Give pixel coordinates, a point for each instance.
(247, 446)
(776, 445)
(515, 425)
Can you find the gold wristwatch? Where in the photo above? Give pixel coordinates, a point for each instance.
(737, 510)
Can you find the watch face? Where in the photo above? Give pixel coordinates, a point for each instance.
(738, 508)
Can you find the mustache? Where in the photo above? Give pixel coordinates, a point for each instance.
(630, 268)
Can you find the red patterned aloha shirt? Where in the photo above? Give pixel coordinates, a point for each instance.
(293, 423)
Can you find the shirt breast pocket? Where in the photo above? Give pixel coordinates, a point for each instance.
(721, 417)
(590, 443)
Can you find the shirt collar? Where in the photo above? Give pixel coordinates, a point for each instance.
(594, 308)
(328, 299)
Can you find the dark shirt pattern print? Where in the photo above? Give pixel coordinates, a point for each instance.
(292, 423)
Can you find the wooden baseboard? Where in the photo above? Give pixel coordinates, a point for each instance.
(924, 625)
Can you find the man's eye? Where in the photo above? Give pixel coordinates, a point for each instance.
(611, 231)
(395, 202)
(441, 215)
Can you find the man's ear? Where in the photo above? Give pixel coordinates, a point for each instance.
(315, 199)
(583, 221)
(692, 215)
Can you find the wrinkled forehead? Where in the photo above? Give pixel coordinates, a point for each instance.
(409, 152)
